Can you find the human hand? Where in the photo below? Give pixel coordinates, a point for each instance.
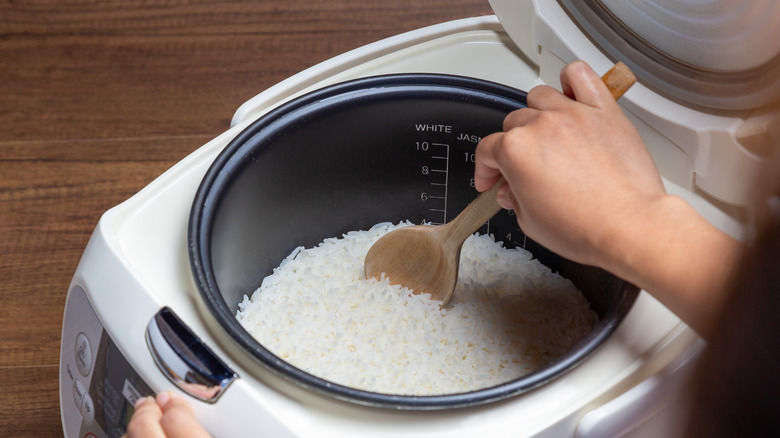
(167, 416)
(583, 184)
(576, 168)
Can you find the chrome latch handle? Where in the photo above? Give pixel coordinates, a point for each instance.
(185, 360)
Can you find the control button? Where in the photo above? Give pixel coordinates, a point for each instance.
(88, 409)
(79, 391)
(83, 354)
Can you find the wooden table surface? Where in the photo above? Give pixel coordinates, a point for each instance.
(99, 98)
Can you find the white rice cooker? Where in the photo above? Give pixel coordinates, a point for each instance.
(136, 325)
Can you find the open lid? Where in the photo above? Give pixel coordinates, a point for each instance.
(715, 54)
(708, 78)
(721, 54)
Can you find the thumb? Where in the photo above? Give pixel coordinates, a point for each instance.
(178, 419)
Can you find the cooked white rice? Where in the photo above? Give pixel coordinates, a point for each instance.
(509, 316)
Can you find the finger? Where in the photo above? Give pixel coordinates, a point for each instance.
(581, 83)
(505, 198)
(486, 170)
(145, 421)
(178, 419)
(546, 98)
(519, 118)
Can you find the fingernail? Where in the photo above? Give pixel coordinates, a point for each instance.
(504, 201)
(163, 398)
(140, 401)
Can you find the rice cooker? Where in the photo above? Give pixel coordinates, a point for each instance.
(387, 132)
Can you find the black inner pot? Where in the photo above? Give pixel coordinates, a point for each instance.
(345, 158)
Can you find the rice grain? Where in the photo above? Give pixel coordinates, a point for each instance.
(509, 316)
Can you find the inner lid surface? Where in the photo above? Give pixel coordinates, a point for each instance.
(725, 35)
(720, 54)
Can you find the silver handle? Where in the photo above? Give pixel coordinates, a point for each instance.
(185, 359)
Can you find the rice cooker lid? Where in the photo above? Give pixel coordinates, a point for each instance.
(717, 54)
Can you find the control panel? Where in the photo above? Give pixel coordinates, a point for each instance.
(98, 387)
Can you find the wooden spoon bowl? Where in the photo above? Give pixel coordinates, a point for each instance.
(425, 258)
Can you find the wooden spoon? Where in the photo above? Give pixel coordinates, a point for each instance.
(425, 258)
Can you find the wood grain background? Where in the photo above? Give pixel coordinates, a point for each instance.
(99, 98)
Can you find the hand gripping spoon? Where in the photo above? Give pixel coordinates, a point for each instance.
(425, 258)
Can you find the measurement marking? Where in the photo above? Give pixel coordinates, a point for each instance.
(446, 184)
(441, 199)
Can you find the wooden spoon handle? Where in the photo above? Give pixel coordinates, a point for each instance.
(479, 211)
(619, 79)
